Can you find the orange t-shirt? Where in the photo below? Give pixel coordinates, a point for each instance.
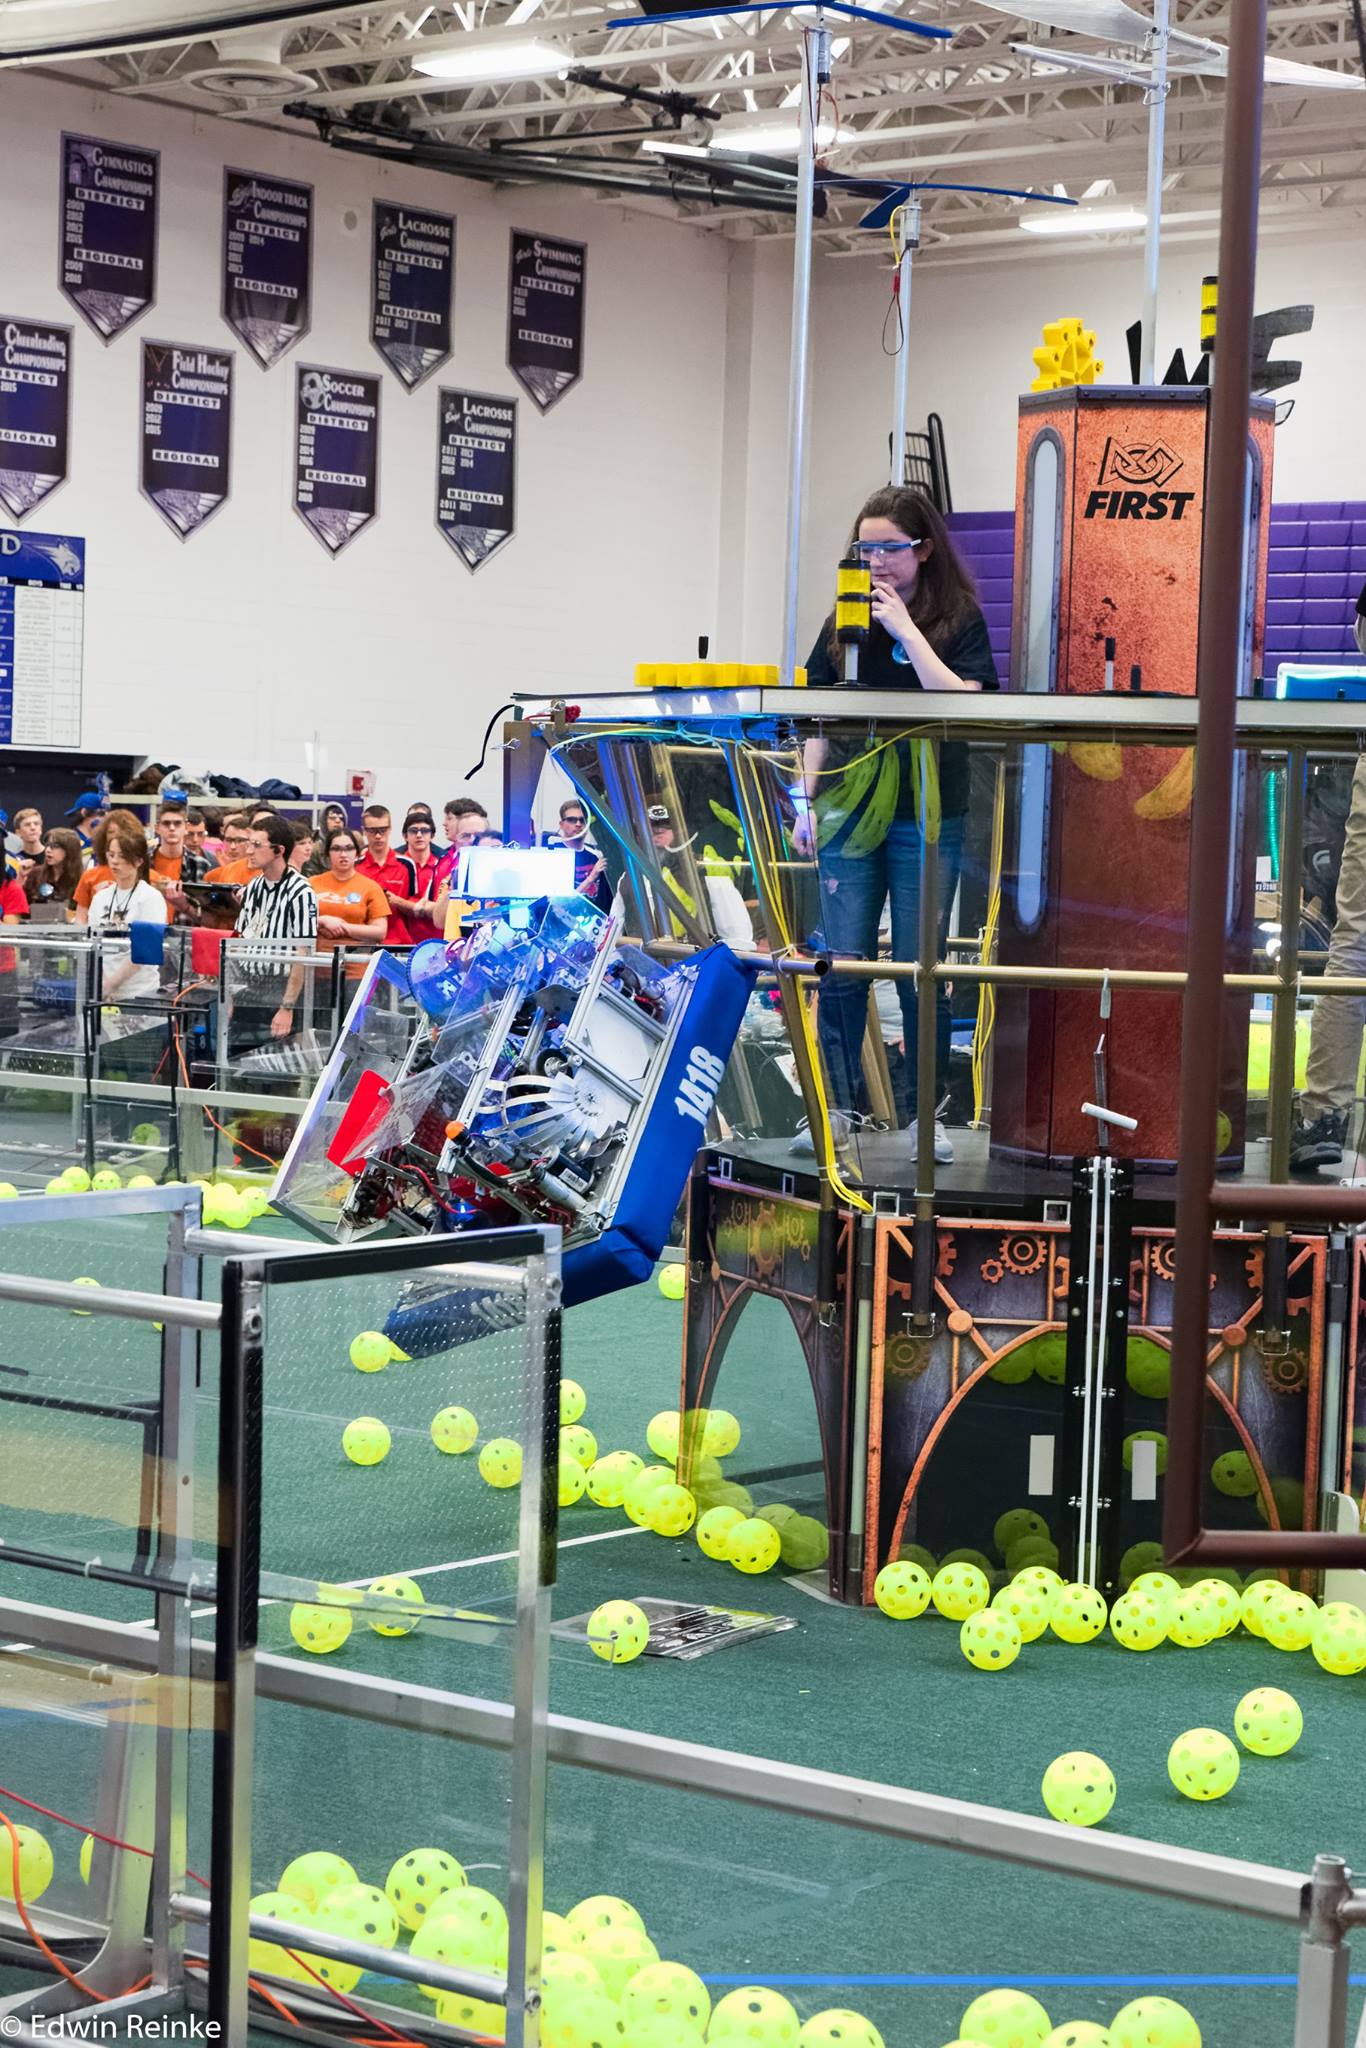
(167, 865)
(359, 901)
(234, 874)
(94, 878)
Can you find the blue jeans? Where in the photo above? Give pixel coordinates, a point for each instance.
(853, 892)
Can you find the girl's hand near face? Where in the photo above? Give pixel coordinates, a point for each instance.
(889, 612)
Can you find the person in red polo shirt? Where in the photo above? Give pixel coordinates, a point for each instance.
(380, 864)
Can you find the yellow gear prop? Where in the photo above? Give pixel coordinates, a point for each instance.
(1067, 356)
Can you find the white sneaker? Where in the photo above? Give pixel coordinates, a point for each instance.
(840, 1125)
(943, 1144)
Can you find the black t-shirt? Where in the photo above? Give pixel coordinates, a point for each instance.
(967, 653)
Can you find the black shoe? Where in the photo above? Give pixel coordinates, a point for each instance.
(1319, 1143)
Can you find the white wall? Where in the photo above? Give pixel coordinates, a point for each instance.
(230, 649)
(973, 331)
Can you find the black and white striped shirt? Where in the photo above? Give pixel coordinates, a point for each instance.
(287, 909)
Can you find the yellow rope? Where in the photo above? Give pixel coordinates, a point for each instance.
(986, 995)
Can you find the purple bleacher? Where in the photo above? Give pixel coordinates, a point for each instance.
(1315, 568)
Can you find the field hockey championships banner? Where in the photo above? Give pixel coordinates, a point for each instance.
(186, 432)
(109, 231)
(546, 282)
(476, 473)
(412, 276)
(336, 453)
(35, 412)
(267, 262)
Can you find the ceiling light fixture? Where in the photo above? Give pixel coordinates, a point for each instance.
(484, 62)
(1084, 220)
(774, 136)
(663, 145)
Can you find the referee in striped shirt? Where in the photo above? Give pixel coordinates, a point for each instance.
(277, 906)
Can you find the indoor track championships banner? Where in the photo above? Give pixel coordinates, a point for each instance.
(267, 262)
(336, 453)
(186, 432)
(35, 412)
(109, 231)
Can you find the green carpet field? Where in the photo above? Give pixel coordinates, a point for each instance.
(829, 1914)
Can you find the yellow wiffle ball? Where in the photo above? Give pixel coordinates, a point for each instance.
(902, 1590)
(990, 1639)
(959, 1590)
(1079, 1613)
(1268, 1721)
(1079, 1788)
(1288, 1623)
(672, 1510)
(366, 1441)
(1028, 1605)
(500, 1462)
(618, 1631)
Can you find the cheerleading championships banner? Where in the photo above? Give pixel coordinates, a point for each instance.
(35, 412)
(186, 432)
(267, 262)
(109, 231)
(412, 275)
(336, 453)
(546, 281)
(476, 473)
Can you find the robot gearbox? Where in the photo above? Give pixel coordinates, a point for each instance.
(538, 1069)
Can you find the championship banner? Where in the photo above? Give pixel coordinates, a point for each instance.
(35, 412)
(109, 231)
(336, 453)
(186, 432)
(267, 262)
(412, 274)
(476, 472)
(546, 283)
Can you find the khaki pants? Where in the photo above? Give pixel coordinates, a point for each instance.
(1335, 1036)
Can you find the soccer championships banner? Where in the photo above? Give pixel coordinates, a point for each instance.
(267, 261)
(186, 432)
(476, 473)
(412, 274)
(336, 453)
(109, 231)
(546, 281)
(35, 412)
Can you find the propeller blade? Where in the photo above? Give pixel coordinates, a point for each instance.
(1109, 20)
(1285, 71)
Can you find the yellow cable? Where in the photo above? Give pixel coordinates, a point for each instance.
(826, 1135)
(986, 995)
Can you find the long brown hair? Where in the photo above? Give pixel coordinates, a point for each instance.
(61, 881)
(944, 590)
(125, 829)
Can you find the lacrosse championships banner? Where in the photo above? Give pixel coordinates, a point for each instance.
(476, 473)
(412, 276)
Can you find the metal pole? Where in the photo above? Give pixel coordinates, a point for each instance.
(815, 62)
(901, 360)
(1321, 1992)
(1284, 1004)
(1220, 663)
(1152, 235)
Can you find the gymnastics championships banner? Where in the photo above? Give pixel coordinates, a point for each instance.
(186, 432)
(35, 412)
(546, 283)
(267, 262)
(476, 473)
(109, 231)
(412, 272)
(336, 453)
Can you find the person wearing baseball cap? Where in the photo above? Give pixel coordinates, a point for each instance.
(89, 807)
